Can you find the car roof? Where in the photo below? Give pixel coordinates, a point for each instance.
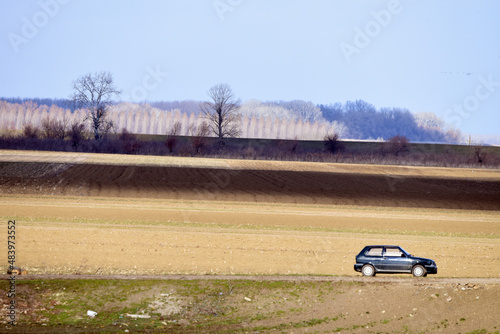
(382, 246)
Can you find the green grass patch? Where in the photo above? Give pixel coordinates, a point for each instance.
(167, 305)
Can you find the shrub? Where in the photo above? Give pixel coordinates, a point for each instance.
(54, 129)
(333, 144)
(172, 137)
(397, 145)
(479, 154)
(30, 131)
(129, 142)
(76, 134)
(199, 137)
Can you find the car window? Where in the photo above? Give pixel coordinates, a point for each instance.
(375, 251)
(393, 251)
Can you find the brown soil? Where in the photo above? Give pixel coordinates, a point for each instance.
(87, 213)
(99, 214)
(300, 183)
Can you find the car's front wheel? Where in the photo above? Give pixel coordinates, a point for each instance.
(368, 270)
(419, 271)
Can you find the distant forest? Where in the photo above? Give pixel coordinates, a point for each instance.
(363, 121)
(352, 120)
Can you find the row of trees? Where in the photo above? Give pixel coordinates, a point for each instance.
(60, 136)
(144, 119)
(225, 116)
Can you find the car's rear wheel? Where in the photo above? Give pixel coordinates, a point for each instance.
(368, 270)
(419, 271)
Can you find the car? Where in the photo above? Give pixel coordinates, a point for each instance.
(388, 259)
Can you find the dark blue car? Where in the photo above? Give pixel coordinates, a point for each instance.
(392, 260)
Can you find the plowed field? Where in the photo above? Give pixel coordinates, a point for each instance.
(104, 214)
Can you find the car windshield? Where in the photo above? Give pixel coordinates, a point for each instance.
(404, 252)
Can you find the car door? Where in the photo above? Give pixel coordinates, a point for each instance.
(374, 256)
(395, 260)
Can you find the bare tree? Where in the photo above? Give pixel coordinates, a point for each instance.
(172, 136)
(397, 145)
(258, 109)
(222, 112)
(130, 144)
(55, 129)
(480, 154)
(333, 144)
(429, 120)
(199, 136)
(77, 133)
(31, 131)
(94, 92)
(299, 109)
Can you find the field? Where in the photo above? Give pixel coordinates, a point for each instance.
(135, 215)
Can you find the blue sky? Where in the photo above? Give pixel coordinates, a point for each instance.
(439, 56)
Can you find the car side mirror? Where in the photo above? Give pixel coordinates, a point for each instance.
(402, 255)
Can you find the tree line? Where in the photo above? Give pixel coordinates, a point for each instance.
(224, 116)
(257, 116)
(363, 121)
(95, 122)
(146, 120)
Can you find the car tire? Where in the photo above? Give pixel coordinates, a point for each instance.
(419, 271)
(368, 270)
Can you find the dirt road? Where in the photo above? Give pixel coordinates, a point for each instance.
(393, 279)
